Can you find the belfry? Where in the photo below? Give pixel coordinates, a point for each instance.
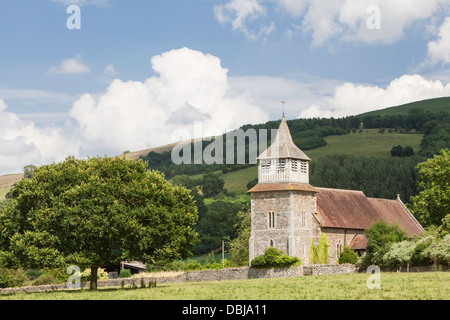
(289, 214)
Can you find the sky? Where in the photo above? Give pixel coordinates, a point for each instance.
(98, 77)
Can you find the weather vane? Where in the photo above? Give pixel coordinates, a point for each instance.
(284, 103)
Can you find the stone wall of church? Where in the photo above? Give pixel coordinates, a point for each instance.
(294, 225)
(337, 239)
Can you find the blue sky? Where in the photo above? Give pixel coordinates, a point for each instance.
(138, 71)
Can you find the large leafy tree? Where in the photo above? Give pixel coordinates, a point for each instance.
(433, 202)
(94, 212)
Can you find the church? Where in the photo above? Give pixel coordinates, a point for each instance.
(288, 213)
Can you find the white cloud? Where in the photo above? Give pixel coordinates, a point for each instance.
(439, 50)
(136, 115)
(34, 95)
(110, 71)
(327, 20)
(70, 66)
(351, 99)
(22, 143)
(239, 13)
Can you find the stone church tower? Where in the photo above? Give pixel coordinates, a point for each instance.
(289, 214)
(283, 203)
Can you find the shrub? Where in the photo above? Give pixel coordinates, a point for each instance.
(101, 274)
(348, 256)
(259, 261)
(319, 254)
(193, 265)
(12, 278)
(419, 258)
(381, 236)
(212, 266)
(271, 254)
(439, 252)
(273, 257)
(399, 254)
(44, 279)
(125, 273)
(286, 261)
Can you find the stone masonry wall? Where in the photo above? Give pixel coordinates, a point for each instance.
(241, 273)
(295, 225)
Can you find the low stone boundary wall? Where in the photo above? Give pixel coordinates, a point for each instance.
(327, 269)
(241, 273)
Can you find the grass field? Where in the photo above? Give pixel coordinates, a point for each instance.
(433, 105)
(3, 192)
(369, 143)
(394, 286)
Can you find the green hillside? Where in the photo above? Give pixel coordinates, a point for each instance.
(367, 143)
(433, 105)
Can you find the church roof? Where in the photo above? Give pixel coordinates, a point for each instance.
(283, 146)
(353, 210)
(359, 242)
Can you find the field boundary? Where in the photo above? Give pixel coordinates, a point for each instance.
(240, 273)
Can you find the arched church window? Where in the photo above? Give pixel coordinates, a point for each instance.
(271, 219)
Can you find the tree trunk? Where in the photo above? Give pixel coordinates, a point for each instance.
(93, 284)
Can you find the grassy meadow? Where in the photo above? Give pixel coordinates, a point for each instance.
(394, 286)
(433, 105)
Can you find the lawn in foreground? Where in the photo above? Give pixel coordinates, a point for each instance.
(397, 286)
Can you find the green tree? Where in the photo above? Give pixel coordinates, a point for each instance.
(217, 224)
(314, 254)
(323, 248)
(212, 184)
(28, 171)
(400, 254)
(407, 151)
(381, 236)
(396, 151)
(94, 212)
(433, 202)
(239, 245)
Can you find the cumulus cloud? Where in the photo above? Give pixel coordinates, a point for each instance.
(326, 20)
(439, 50)
(22, 143)
(70, 66)
(351, 99)
(135, 115)
(239, 13)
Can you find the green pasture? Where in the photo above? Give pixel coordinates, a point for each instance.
(394, 286)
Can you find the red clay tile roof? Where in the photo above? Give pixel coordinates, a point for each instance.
(359, 242)
(282, 186)
(353, 210)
